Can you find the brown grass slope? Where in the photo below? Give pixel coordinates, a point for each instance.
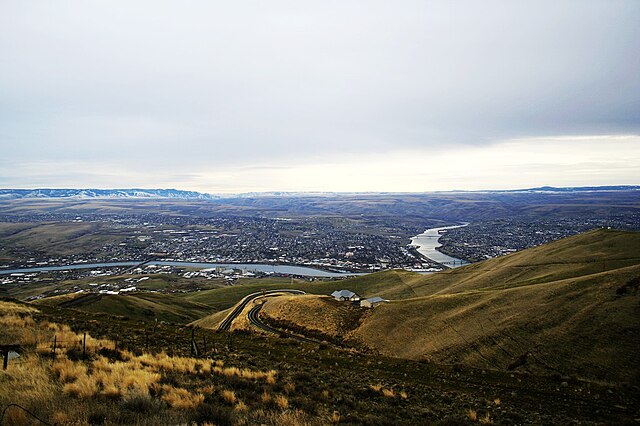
(588, 253)
(318, 313)
(576, 326)
(552, 309)
(212, 321)
(141, 306)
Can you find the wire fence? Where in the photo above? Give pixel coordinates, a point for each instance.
(20, 407)
(85, 346)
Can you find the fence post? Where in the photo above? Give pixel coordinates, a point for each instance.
(5, 362)
(84, 345)
(194, 347)
(115, 345)
(204, 344)
(55, 341)
(192, 341)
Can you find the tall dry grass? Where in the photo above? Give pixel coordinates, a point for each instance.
(28, 382)
(245, 373)
(67, 370)
(228, 396)
(181, 398)
(64, 385)
(9, 308)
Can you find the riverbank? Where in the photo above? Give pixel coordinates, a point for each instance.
(427, 244)
(253, 267)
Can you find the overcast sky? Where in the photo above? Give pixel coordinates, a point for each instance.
(319, 96)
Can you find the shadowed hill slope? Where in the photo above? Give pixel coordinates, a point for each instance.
(142, 306)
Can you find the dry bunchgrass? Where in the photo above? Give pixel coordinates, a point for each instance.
(8, 308)
(335, 417)
(266, 398)
(289, 388)
(271, 377)
(67, 370)
(29, 384)
(139, 381)
(403, 394)
(180, 398)
(15, 416)
(388, 393)
(473, 415)
(228, 396)
(245, 373)
(294, 417)
(207, 390)
(84, 386)
(19, 329)
(486, 419)
(376, 388)
(281, 402)
(121, 378)
(164, 362)
(61, 418)
(15, 320)
(36, 379)
(45, 333)
(291, 418)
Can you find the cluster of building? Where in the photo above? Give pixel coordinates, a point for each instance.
(492, 238)
(356, 300)
(318, 242)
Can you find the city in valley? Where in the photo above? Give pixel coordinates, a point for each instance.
(312, 213)
(321, 308)
(366, 233)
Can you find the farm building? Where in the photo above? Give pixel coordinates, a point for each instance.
(372, 302)
(345, 295)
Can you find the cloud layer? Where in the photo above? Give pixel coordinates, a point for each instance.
(161, 94)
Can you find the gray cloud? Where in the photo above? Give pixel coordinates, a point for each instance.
(191, 84)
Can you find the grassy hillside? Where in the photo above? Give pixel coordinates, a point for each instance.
(212, 321)
(569, 307)
(62, 238)
(585, 254)
(140, 306)
(578, 326)
(389, 284)
(153, 378)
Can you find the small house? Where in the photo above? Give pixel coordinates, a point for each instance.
(372, 302)
(345, 295)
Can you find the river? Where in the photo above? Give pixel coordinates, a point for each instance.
(428, 242)
(253, 267)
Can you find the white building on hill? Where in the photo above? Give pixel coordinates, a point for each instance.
(372, 302)
(345, 295)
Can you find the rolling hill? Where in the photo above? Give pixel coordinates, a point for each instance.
(569, 308)
(139, 306)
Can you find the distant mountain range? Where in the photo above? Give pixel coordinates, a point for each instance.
(192, 195)
(104, 193)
